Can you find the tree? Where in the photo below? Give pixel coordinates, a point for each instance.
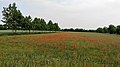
(23, 23)
(28, 23)
(50, 26)
(79, 30)
(35, 23)
(1, 27)
(12, 17)
(7, 16)
(14, 20)
(53, 27)
(99, 30)
(105, 30)
(39, 24)
(118, 29)
(56, 27)
(71, 29)
(43, 24)
(112, 29)
(19, 19)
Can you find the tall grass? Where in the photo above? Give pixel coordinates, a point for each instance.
(60, 50)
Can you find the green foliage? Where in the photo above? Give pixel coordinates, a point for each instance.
(28, 22)
(53, 27)
(13, 19)
(50, 25)
(1, 27)
(112, 29)
(102, 30)
(105, 30)
(99, 30)
(56, 27)
(118, 29)
(43, 24)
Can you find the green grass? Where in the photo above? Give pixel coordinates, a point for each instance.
(21, 32)
(65, 49)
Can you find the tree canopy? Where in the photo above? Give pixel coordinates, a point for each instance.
(111, 29)
(14, 20)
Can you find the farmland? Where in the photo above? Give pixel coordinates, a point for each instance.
(64, 49)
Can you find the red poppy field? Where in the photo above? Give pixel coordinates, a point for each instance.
(64, 49)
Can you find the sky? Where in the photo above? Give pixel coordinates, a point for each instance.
(87, 14)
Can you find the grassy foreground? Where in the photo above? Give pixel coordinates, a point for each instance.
(66, 49)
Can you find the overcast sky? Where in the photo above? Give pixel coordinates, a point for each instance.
(88, 14)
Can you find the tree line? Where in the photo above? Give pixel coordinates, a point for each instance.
(111, 29)
(77, 30)
(14, 20)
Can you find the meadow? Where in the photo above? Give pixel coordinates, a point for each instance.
(64, 49)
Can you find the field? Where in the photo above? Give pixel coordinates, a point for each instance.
(21, 32)
(64, 49)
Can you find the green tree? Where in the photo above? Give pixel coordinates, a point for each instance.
(37, 24)
(118, 29)
(50, 26)
(1, 27)
(34, 23)
(28, 23)
(12, 17)
(112, 29)
(105, 30)
(99, 30)
(43, 24)
(23, 23)
(56, 27)
(14, 20)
